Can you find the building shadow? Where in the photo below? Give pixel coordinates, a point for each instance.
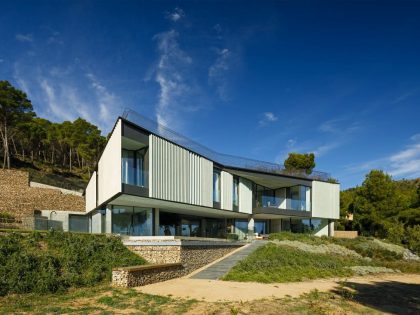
(390, 297)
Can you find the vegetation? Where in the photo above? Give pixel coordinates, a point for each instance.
(28, 140)
(384, 208)
(272, 263)
(108, 300)
(300, 162)
(289, 258)
(56, 261)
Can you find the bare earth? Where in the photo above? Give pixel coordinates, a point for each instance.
(215, 290)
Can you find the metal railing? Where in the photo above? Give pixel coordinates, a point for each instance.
(223, 159)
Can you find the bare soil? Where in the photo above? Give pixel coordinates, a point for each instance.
(216, 290)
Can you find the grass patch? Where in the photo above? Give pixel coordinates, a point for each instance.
(284, 263)
(55, 261)
(272, 263)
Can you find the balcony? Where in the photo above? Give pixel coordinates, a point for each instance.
(295, 198)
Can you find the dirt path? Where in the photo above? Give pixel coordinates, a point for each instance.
(215, 290)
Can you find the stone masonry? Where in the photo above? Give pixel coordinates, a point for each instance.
(192, 255)
(20, 200)
(136, 276)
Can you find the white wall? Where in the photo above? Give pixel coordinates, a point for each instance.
(177, 174)
(245, 196)
(109, 167)
(325, 200)
(226, 190)
(90, 193)
(324, 229)
(96, 223)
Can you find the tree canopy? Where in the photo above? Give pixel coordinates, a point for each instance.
(381, 206)
(30, 138)
(300, 162)
(15, 108)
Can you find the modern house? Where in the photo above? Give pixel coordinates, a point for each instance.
(151, 181)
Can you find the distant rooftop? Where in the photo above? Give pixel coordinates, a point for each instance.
(223, 159)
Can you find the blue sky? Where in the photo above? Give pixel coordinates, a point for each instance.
(255, 79)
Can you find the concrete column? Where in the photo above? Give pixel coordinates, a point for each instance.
(251, 227)
(331, 228)
(96, 218)
(156, 221)
(108, 221)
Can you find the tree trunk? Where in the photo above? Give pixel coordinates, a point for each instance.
(70, 159)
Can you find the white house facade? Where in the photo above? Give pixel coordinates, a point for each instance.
(151, 181)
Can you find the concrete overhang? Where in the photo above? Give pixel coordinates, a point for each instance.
(175, 207)
(276, 213)
(272, 181)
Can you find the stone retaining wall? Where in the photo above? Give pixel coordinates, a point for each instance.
(20, 200)
(191, 254)
(136, 276)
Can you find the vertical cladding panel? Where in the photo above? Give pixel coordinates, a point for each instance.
(207, 181)
(226, 190)
(109, 166)
(150, 167)
(325, 200)
(178, 174)
(245, 196)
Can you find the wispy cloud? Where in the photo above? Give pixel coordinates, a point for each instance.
(170, 75)
(339, 126)
(218, 72)
(268, 117)
(24, 37)
(108, 102)
(403, 163)
(176, 15)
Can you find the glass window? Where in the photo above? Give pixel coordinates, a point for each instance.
(132, 221)
(133, 172)
(216, 185)
(78, 223)
(260, 227)
(235, 195)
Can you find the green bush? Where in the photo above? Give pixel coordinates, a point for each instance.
(55, 261)
(232, 236)
(273, 263)
(413, 238)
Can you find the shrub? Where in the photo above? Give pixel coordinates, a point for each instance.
(55, 261)
(272, 263)
(413, 238)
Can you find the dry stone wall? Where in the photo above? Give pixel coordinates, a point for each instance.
(141, 275)
(192, 255)
(20, 200)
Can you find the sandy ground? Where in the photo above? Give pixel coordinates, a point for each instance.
(215, 290)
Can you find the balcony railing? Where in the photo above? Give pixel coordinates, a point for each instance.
(284, 203)
(224, 159)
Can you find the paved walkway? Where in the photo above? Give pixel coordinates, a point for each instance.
(220, 268)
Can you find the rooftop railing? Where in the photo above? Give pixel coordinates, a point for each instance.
(223, 159)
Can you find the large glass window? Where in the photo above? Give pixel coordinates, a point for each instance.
(132, 221)
(307, 225)
(260, 227)
(133, 170)
(216, 185)
(78, 223)
(235, 193)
